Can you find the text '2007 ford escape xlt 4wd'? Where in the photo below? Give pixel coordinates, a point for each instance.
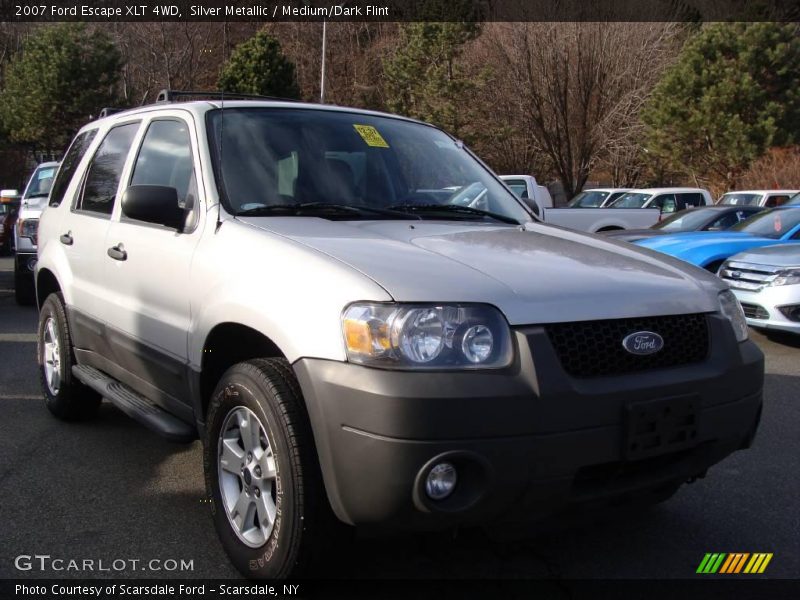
(360, 321)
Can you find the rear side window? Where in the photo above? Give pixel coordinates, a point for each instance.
(165, 158)
(69, 165)
(102, 178)
(778, 200)
(687, 200)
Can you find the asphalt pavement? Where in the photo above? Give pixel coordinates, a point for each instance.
(110, 490)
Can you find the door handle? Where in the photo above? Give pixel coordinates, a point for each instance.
(66, 239)
(118, 252)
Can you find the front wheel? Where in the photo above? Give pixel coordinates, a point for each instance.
(262, 474)
(65, 397)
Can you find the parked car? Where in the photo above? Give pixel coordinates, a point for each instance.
(667, 200)
(598, 219)
(704, 218)
(765, 198)
(526, 187)
(9, 209)
(767, 283)
(352, 342)
(597, 197)
(34, 200)
(708, 249)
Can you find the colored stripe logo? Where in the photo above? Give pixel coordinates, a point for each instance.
(733, 563)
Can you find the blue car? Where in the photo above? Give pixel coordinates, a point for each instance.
(710, 249)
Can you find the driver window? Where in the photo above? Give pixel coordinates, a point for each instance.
(165, 158)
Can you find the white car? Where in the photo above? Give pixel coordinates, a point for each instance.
(668, 199)
(765, 198)
(527, 188)
(597, 197)
(767, 283)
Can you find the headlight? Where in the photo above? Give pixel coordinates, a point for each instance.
(730, 307)
(28, 228)
(426, 336)
(787, 277)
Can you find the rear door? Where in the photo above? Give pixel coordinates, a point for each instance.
(149, 310)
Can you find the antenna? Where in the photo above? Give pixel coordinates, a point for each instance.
(220, 183)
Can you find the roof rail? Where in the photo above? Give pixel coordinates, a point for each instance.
(110, 110)
(174, 95)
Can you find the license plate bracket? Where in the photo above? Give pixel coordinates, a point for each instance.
(654, 427)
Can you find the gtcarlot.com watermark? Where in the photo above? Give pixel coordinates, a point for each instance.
(57, 564)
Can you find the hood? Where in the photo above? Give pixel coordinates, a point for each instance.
(782, 255)
(37, 203)
(535, 274)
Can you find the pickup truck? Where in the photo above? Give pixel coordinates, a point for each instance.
(34, 200)
(365, 327)
(593, 220)
(765, 198)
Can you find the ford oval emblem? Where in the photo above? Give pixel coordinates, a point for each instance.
(643, 343)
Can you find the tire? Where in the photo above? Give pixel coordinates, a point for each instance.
(65, 397)
(24, 289)
(264, 392)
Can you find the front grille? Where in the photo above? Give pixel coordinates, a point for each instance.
(594, 348)
(748, 276)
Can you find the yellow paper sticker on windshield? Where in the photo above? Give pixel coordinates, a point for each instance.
(370, 135)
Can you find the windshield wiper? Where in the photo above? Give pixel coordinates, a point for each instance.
(453, 208)
(322, 207)
(37, 195)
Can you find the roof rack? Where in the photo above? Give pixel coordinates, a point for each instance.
(110, 110)
(174, 95)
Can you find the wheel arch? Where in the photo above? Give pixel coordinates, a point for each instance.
(225, 345)
(46, 283)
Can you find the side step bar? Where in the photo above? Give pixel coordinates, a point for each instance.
(135, 406)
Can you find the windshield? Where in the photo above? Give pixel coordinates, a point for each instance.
(366, 166)
(737, 199)
(632, 200)
(771, 223)
(686, 220)
(794, 200)
(40, 183)
(588, 199)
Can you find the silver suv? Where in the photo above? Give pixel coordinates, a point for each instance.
(365, 326)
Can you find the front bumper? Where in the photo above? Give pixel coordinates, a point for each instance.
(25, 264)
(769, 299)
(528, 441)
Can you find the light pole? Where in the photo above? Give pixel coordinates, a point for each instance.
(322, 68)
(322, 63)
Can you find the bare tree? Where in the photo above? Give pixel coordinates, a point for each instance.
(580, 87)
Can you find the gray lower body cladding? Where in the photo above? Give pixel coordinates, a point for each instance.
(528, 442)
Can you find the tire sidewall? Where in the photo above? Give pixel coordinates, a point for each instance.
(277, 556)
(50, 310)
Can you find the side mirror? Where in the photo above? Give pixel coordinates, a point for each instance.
(531, 204)
(154, 204)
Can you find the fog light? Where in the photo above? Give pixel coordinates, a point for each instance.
(791, 312)
(32, 264)
(441, 481)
